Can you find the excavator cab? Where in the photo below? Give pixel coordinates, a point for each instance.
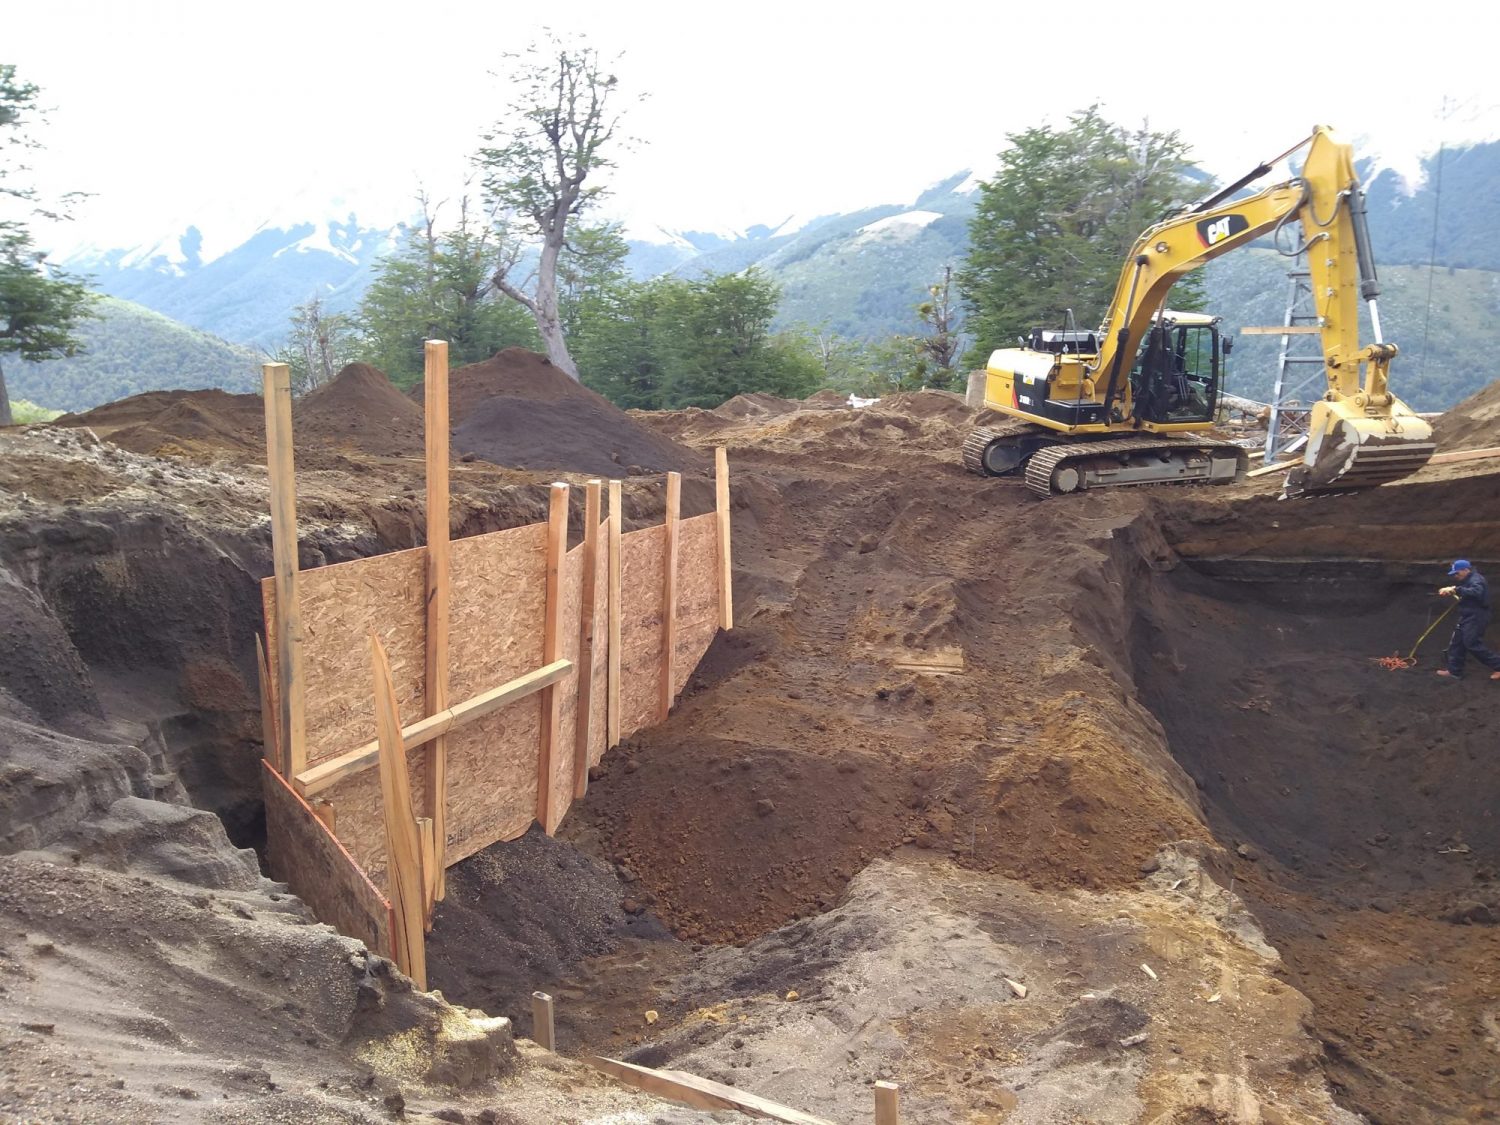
(1177, 372)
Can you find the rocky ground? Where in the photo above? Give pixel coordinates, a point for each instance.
(1092, 809)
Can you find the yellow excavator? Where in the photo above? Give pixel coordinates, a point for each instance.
(1132, 402)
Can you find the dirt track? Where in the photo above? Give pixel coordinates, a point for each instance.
(1103, 726)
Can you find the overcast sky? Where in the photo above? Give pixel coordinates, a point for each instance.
(178, 112)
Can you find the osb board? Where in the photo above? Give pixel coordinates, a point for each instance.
(359, 813)
(642, 574)
(497, 606)
(306, 856)
(599, 727)
(697, 593)
(341, 605)
(567, 689)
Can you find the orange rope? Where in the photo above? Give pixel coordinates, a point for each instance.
(1396, 661)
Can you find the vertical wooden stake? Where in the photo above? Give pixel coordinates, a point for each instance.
(721, 502)
(543, 1030)
(616, 530)
(435, 382)
(887, 1103)
(270, 743)
(669, 595)
(427, 852)
(557, 547)
(403, 849)
(587, 611)
(291, 691)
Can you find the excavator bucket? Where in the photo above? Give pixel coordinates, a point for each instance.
(1351, 451)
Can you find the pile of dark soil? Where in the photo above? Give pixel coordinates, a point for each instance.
(754, 405)
(826, 399)
(1472, 424)
(516, 409)
(158, 420)
(360, 408)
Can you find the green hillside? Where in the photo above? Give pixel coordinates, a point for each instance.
(130, 349)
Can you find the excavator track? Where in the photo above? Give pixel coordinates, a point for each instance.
(993, 451)
(1075, 466)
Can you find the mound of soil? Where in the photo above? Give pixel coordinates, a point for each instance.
(148, 422)
(360, 408)
(927, 404)
(754, 404)
(517, 409)
(1472, 424)
(826, 399)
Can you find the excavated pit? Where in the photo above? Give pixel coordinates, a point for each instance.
(1356, 803)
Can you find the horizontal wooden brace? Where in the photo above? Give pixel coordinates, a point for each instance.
(324, 774)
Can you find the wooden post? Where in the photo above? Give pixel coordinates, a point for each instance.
(589, 607)
(557, 548)
(427, 852)
(270, 744)
(435, 382)
(669, 595)
(616, 530)
(887, 1103)
(543, 1030)
(403, 849)
(721, 502)
(291, 688)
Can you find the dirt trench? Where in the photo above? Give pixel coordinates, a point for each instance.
(1357, 804)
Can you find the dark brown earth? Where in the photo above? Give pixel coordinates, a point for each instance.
(1473, 424)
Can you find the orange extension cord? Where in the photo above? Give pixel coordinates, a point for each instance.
(1396, 661)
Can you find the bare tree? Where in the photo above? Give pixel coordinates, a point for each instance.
(540, 165)
(319, 345)
(937, 351)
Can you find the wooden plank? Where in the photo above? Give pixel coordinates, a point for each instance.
(700, 1093)
(599, 699)
(291, 685)
(1280, 330)
(669, 596)
(270, 744)
(887, 1103)
(435, 382)
(557, 542)
(336, 769)
(403, 847)
(721, 505)
(427, 852)
(564, 780)
(1464, 455)
(1267, 469)
(543, 1029)
(586, 615)
(303, 853)
(616, 531)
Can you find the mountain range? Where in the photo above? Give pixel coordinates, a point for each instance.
(861, 274)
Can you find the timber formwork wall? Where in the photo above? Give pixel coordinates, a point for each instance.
(513, 665)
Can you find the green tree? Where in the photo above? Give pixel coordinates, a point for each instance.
(541, 165)
(319, 344)
(1051, 230)
(937, 348)
(437, 286)
(40, 305)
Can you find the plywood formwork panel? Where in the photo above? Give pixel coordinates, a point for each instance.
(562, 761)
(341, 605)
(306, 856)
(498, 604)
(358, 815)
(697, 593)
(642, 574)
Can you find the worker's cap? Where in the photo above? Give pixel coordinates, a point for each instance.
(1459, 564)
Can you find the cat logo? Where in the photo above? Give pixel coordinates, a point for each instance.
(1211, 232)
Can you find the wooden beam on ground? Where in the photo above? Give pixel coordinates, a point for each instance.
(403, 855)
(543, 1029)
(291, 691)
(324, 774)
(1280, 330)
(1267, 469)
(616, 534)
(1464, 455)
(887, 1103)
(557, 548)
(588, 608)
(669, 594)
(726, 558)
(700, 1093)
(270, 744)
(435, 384)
